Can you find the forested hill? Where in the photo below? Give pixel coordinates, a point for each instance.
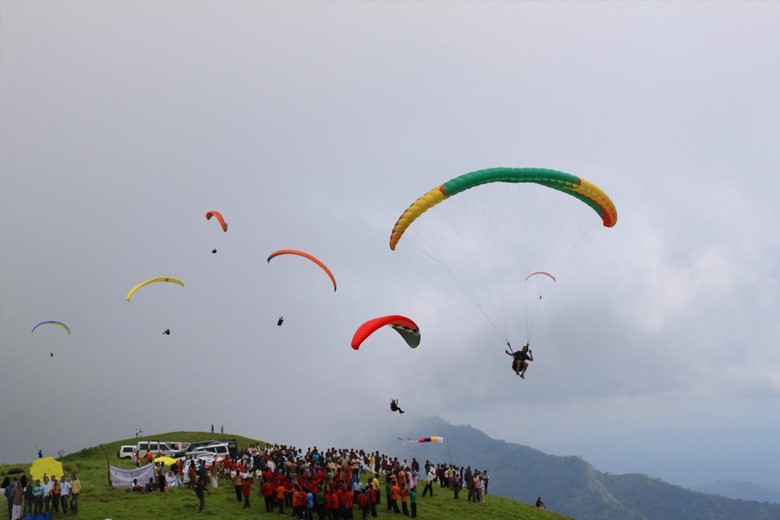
(569, 484)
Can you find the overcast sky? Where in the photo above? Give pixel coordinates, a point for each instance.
(313, 126)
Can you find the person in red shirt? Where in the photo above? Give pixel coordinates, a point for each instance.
(373, 499)
(347, 505)
(268, 494)
(332, 500)
(362, 502)
(246, 490)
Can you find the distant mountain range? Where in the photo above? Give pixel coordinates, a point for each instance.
(568, 485)
(739, 490)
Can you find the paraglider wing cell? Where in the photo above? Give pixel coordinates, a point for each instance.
(132, 291)
(217, 215)
(588, 193)
(403, 325)
(308, 256)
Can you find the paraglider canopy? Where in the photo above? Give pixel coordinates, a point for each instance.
(51, 322)
(132, 291)
(308, 256)
(217, 215)
(403, 325)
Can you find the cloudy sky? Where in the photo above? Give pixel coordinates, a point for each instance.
(313, 126)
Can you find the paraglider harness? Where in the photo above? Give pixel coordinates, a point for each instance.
(394, 406)
(518, 357)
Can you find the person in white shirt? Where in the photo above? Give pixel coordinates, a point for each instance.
(65, 494)
(47, 485)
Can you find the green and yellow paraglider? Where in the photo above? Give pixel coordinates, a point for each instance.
(572, 185)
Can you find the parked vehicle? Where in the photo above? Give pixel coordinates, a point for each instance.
(156, 447)
(218, 449)
(126, 451)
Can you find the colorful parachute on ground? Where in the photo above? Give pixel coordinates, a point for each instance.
(403, 325)
(542, 273)
(218, 216)
(588, 193)
(55, 323)
(307, 256)
(424, 439)
(132, 291)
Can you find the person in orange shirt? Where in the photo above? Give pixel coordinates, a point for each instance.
(280, 491)
(395, 491)
(404, 498)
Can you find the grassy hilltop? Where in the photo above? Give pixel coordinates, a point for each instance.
(99, 501)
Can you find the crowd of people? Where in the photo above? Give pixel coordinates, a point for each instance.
(334, 484)
(52, 495)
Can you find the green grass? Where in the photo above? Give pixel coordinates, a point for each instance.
(99, 501)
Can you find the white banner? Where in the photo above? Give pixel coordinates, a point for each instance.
(123, 478)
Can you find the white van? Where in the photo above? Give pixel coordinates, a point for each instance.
(154, 446)
(126, 451)
(218, 449)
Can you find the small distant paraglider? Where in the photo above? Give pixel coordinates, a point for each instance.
(167, 332)
(214, 251)
(280, 321)
(217, 215)
(168, 279)
(394, 406)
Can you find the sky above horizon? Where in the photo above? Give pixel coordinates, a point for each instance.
(313, 126)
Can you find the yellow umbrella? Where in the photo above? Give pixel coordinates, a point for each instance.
(46, 466)
(166, 460)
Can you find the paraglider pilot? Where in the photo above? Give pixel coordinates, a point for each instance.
(394, 406)
(167, 332)
(520, 359)
(280, 321)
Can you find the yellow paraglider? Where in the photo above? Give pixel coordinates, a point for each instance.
(132, 291)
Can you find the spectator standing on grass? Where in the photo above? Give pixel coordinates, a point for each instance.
(38, 497)
(65, 494)
(237, 485)
(479, 488)
(55, 495)
(280, 492)
(17, 499)
(29, 498)
(200, 492)
(8, 491)
(46, 494)
(373, 499)
(75, 491)
(431, 476)
(246, 490)
(413, 501)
